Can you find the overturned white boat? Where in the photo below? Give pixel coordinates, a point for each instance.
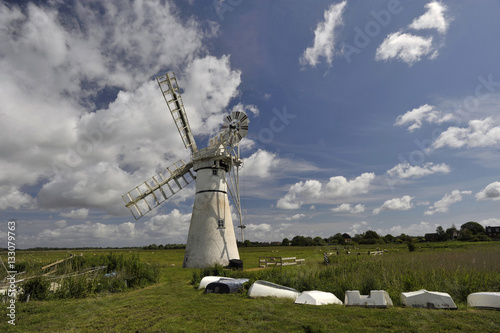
(376, 299)
(209, 279)
(268, 289)
(484, 300)
(316, 297)
(428, 299)
(225, 286)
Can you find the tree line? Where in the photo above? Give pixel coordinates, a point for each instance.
(470, 231)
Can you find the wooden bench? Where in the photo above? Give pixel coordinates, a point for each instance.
(279, 261)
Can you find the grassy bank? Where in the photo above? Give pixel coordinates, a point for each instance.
(174, 305)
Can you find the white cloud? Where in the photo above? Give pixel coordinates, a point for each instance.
(405, 170)
(12, 197)
(480, 133)
(490, 222)
(81, 213)
(434, 18)
(490, 192)
(443, 205)
(403, 203)
(298, 193)
(358, 228)
(86, 156)
(209, 85)
(403, 46)
(260, 164)
(295, 217)
(346, 208)
(312, 190)
(250, 108)
(339, 186)
(415, 229)
(259, 227)
(423, 113)
(88, 233)
(61, 223)
(173, 226)
(324, 36)
(411, 48)
(265, 232)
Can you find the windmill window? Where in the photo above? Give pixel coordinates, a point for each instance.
(221, 224)
(214, 172)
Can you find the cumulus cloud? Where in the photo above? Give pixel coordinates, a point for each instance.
(88, 233)
(267, 232)
(106, 127)
(411, 48)
(299, 193)
(260, 164)
(12, 197)
(434, 18)
(406, 170)
(403, 203)
(210, 84)
(167, 228)
(81, 213)
(480, 133)
(443, 205)
(403, 46)
(415, 229)
(339, 186)
(359, 227)
(347, 208)
(417, 116)
(490, 192)
(259, 227)
(173, 226)
(324, 36)
(312, 190)
(490, 221)
(247, 108)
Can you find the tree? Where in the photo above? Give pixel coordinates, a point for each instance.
(451, 232)
(285, 242)
(466, 235)
(336, 239)
(441, 234)
(474, 227)
(405, 238)
(318, 241)
(370, 234)
(388, 238)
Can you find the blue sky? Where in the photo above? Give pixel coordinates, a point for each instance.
(364, 115)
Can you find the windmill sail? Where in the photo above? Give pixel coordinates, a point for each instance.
(171, 93)
(158, 188)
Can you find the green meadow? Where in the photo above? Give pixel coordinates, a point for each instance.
(174, 304)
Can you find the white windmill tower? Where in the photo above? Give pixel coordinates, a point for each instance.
(211, 238)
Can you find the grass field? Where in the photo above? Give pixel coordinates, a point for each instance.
(174, 305)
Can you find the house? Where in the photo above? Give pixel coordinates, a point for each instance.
(493, 232)
(431, 237)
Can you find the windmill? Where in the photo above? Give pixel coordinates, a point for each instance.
(211, 238)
